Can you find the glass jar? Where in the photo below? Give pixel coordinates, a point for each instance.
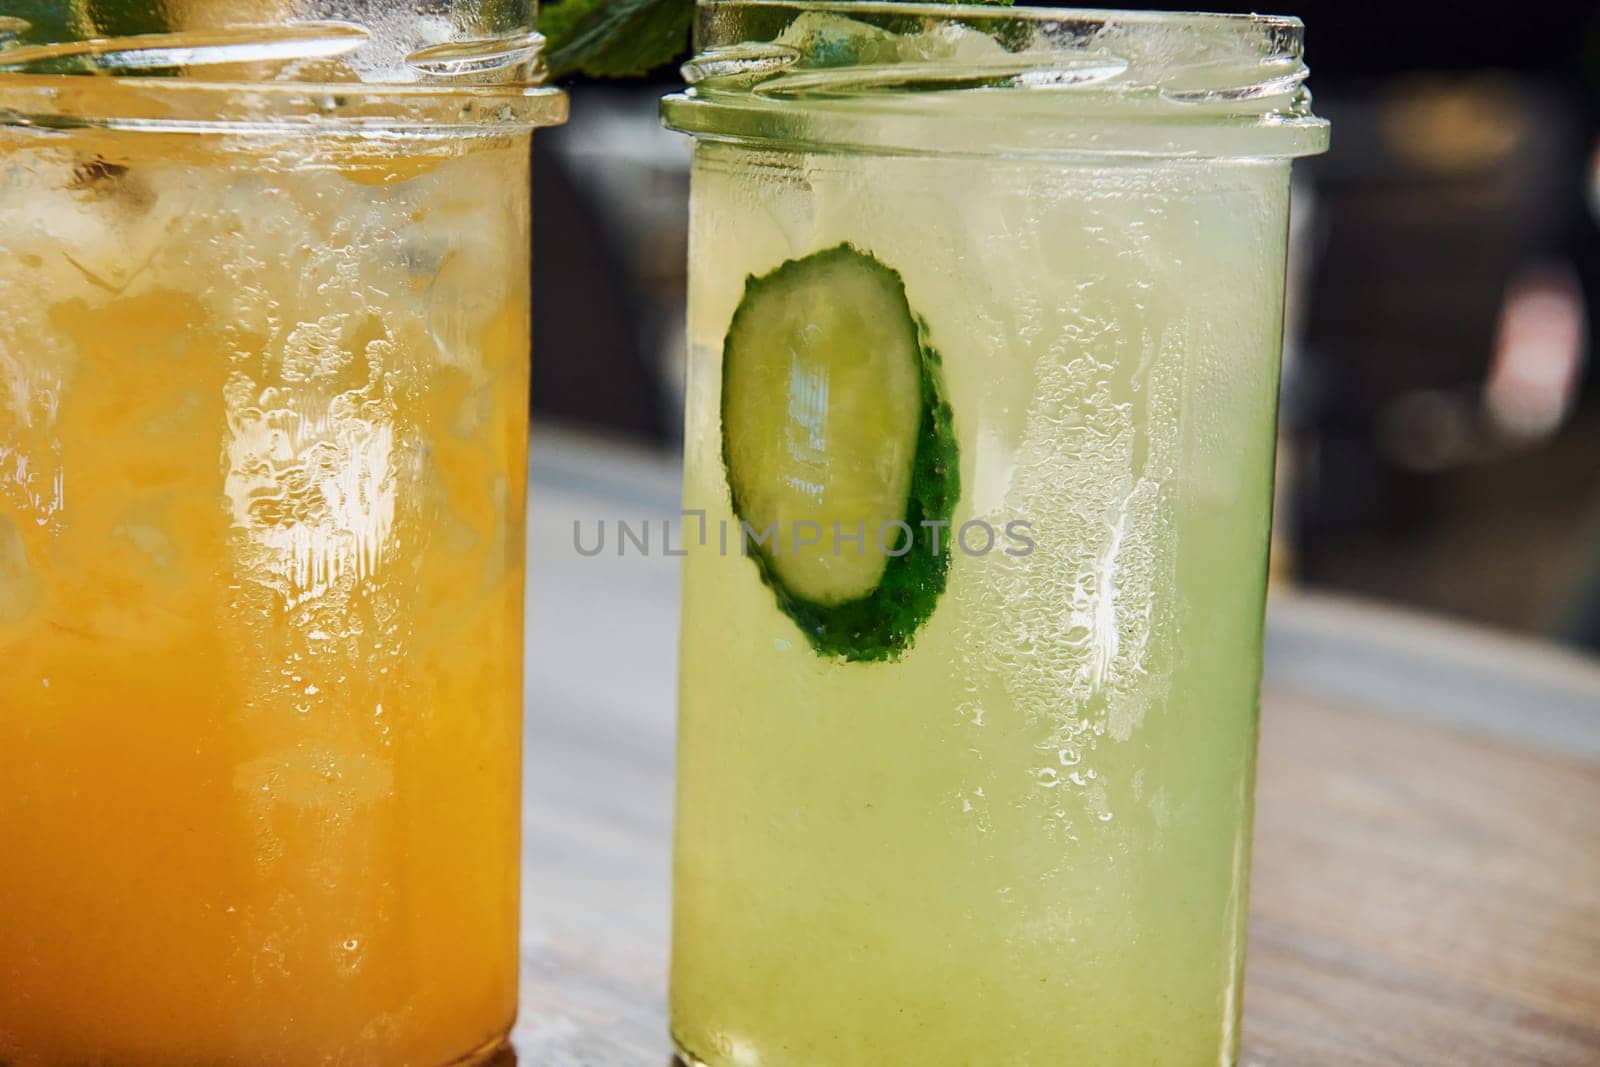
(263, 402)
(984, 323)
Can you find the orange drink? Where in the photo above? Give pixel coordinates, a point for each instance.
(262, 455)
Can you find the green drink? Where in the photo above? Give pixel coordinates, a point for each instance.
(1000, 289)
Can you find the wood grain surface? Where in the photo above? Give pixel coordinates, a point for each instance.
(1420, 896)
(1426, 885)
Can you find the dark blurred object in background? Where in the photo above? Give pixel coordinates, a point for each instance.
(1441, 419)
(1444, 454)
(610, 249)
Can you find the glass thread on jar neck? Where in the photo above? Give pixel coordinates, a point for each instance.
(865, 75)
(369, 66)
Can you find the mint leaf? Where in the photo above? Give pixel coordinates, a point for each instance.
(64, 21)
(127, 18)
(614, 38)
(49, 21)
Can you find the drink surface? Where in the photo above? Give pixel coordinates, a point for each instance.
(1025, 840)
(262, 438)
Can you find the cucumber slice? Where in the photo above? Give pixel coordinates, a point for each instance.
(833, 412)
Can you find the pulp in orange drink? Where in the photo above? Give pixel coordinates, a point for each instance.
(262, 439)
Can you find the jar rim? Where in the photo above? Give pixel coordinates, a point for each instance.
(877, 75)
(55, 101)
(297, 73)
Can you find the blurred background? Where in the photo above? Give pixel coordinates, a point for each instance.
(1441, 416)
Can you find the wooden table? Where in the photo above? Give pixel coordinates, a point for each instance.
(1427, 865)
